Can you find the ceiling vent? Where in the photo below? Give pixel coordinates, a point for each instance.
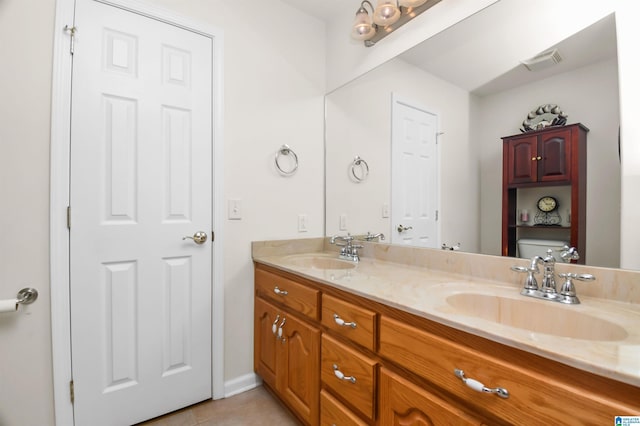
(543, 60)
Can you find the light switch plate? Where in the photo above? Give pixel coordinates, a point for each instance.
(234, 210)
(385, 210)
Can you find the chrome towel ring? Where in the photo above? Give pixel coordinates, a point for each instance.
(286, 150)
(361, 165)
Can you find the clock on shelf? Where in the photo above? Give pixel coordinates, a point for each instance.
(548, 211)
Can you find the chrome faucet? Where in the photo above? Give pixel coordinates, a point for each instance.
(371, 237)
(349, 251)
(548, 290)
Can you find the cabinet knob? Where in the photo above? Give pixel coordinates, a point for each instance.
(536, 158)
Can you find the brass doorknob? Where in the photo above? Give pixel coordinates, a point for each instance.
(199, 237)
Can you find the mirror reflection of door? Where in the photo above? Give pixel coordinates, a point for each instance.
(414, 175)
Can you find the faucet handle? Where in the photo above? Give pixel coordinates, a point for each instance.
(530, 283)
(568, 290)
(569, 253)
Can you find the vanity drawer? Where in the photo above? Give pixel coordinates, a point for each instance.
(298, 297)
(334, 413)
(340, 360)
(351, 321)
(533, 398)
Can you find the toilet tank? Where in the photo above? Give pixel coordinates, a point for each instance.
(529, 247)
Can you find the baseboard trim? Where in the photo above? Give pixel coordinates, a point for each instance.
(241, 384)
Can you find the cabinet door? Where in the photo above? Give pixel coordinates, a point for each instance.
(522, 163)
(404, 403)
(265, 349)
(555, 150)
(299, 375)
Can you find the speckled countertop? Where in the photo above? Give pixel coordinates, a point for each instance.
(465, 292)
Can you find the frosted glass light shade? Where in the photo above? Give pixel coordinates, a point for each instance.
(412, 3)
(386, 13)
(362, 28)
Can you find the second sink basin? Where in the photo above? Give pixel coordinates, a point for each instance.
(536, 316)
(319, 261)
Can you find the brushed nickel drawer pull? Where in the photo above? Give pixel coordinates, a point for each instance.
(342, 322)
(340, 375)
(479, 387)
(281, 331)
(274, 326)
(280, 292)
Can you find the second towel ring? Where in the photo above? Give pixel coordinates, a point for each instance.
(359, 163)
(285, 150)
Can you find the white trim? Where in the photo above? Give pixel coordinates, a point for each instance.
(241, 384)
(59, 197)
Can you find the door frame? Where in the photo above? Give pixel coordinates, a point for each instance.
(400, 99)
(60, 181)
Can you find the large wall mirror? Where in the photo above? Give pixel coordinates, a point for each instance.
(467, 113)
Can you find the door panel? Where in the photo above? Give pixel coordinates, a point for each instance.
(141, 180)
(415, 175)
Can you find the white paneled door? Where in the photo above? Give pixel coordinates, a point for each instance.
(414, 175)
(141, 180)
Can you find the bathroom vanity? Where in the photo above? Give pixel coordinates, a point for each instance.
(383, 341)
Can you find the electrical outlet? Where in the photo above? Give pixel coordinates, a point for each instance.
(302, 222)
(234, 210)
(343, 222)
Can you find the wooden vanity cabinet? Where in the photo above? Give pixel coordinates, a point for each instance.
(286, 346)
(408, 377)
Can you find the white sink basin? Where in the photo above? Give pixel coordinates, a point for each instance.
(537, 316)
(319, 261)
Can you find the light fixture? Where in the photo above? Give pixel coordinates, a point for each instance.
(388, 15)
(387, 12)
(362, 27)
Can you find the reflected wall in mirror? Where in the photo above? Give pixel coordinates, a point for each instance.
(358, 122)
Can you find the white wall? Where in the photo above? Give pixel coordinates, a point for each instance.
(25, 337)
(274, 84)
(359, 123)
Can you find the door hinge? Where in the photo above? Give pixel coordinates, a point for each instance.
(437, 215)
(72, 394)
(69, 217)
(213, 236)
(72, 32)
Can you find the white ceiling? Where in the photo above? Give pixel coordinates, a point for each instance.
(454, 55)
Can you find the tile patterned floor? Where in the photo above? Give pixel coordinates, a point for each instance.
(255, 407)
